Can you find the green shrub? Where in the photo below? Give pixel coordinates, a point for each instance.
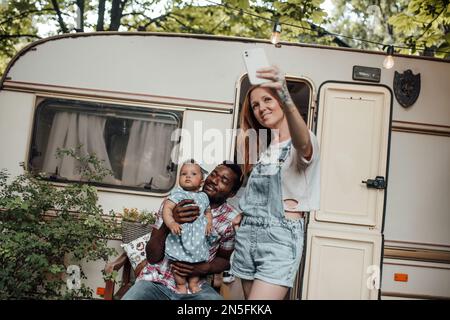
(45, 228)
(134, 215)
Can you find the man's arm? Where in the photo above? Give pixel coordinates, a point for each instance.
(156, 245)
(219, 264)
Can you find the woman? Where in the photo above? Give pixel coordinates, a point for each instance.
(283, 185)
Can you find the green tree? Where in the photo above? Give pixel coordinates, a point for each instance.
(426, 24)
(414, 24)
(16, 28)
(247, 18)
(20, 18)
(410, 24)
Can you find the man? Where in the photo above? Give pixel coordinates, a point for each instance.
(156, 280)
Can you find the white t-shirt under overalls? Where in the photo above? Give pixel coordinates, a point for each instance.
(300, 177)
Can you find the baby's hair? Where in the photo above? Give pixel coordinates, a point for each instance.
(192, 161)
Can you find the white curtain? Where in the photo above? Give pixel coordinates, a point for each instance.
(70, 130)
(148, 155)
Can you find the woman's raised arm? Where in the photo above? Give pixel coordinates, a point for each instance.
(297, 127)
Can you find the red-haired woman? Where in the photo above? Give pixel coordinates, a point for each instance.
(284, 184)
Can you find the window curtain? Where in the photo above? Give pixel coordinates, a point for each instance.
(70, 130)
(148, 155)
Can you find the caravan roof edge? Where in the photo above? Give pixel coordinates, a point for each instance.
(196, 36)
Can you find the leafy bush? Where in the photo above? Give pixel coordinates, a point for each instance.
(44, 229)
(134, 215)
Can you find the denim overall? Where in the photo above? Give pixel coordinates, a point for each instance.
(268, 246)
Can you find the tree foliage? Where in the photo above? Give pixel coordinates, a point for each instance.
(16, 28)
(424, 23)
(246, 18)
(45, 229)
(414, 25)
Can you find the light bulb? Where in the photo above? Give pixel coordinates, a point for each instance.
(276, 33)
(388, 62)
(275, 38)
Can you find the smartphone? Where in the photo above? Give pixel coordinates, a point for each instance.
(255, 59)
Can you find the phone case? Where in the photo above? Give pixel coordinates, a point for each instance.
(255, 59)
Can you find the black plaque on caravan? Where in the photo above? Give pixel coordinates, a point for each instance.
(406, 87)
(366, 74)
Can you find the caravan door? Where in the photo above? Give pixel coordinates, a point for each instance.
(344, 238)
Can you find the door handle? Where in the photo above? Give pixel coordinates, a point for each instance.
(377, 183)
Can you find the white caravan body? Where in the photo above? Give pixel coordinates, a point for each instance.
(363, 243)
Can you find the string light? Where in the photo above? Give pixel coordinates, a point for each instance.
(276, 32)
(388, 62)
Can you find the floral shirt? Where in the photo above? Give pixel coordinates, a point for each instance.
(222, 222)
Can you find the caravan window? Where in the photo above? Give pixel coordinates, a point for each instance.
(134, 143)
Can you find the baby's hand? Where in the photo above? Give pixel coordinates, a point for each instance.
(175, 228)
(209, 228)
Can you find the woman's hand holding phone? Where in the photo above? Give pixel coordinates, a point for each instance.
(261, 73)
(277, 82)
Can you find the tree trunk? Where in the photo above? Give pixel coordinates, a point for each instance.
(101, 16)
(116, 14)
(80, 4)
(59, 14)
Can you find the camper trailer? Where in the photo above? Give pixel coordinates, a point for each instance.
(382, 231)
